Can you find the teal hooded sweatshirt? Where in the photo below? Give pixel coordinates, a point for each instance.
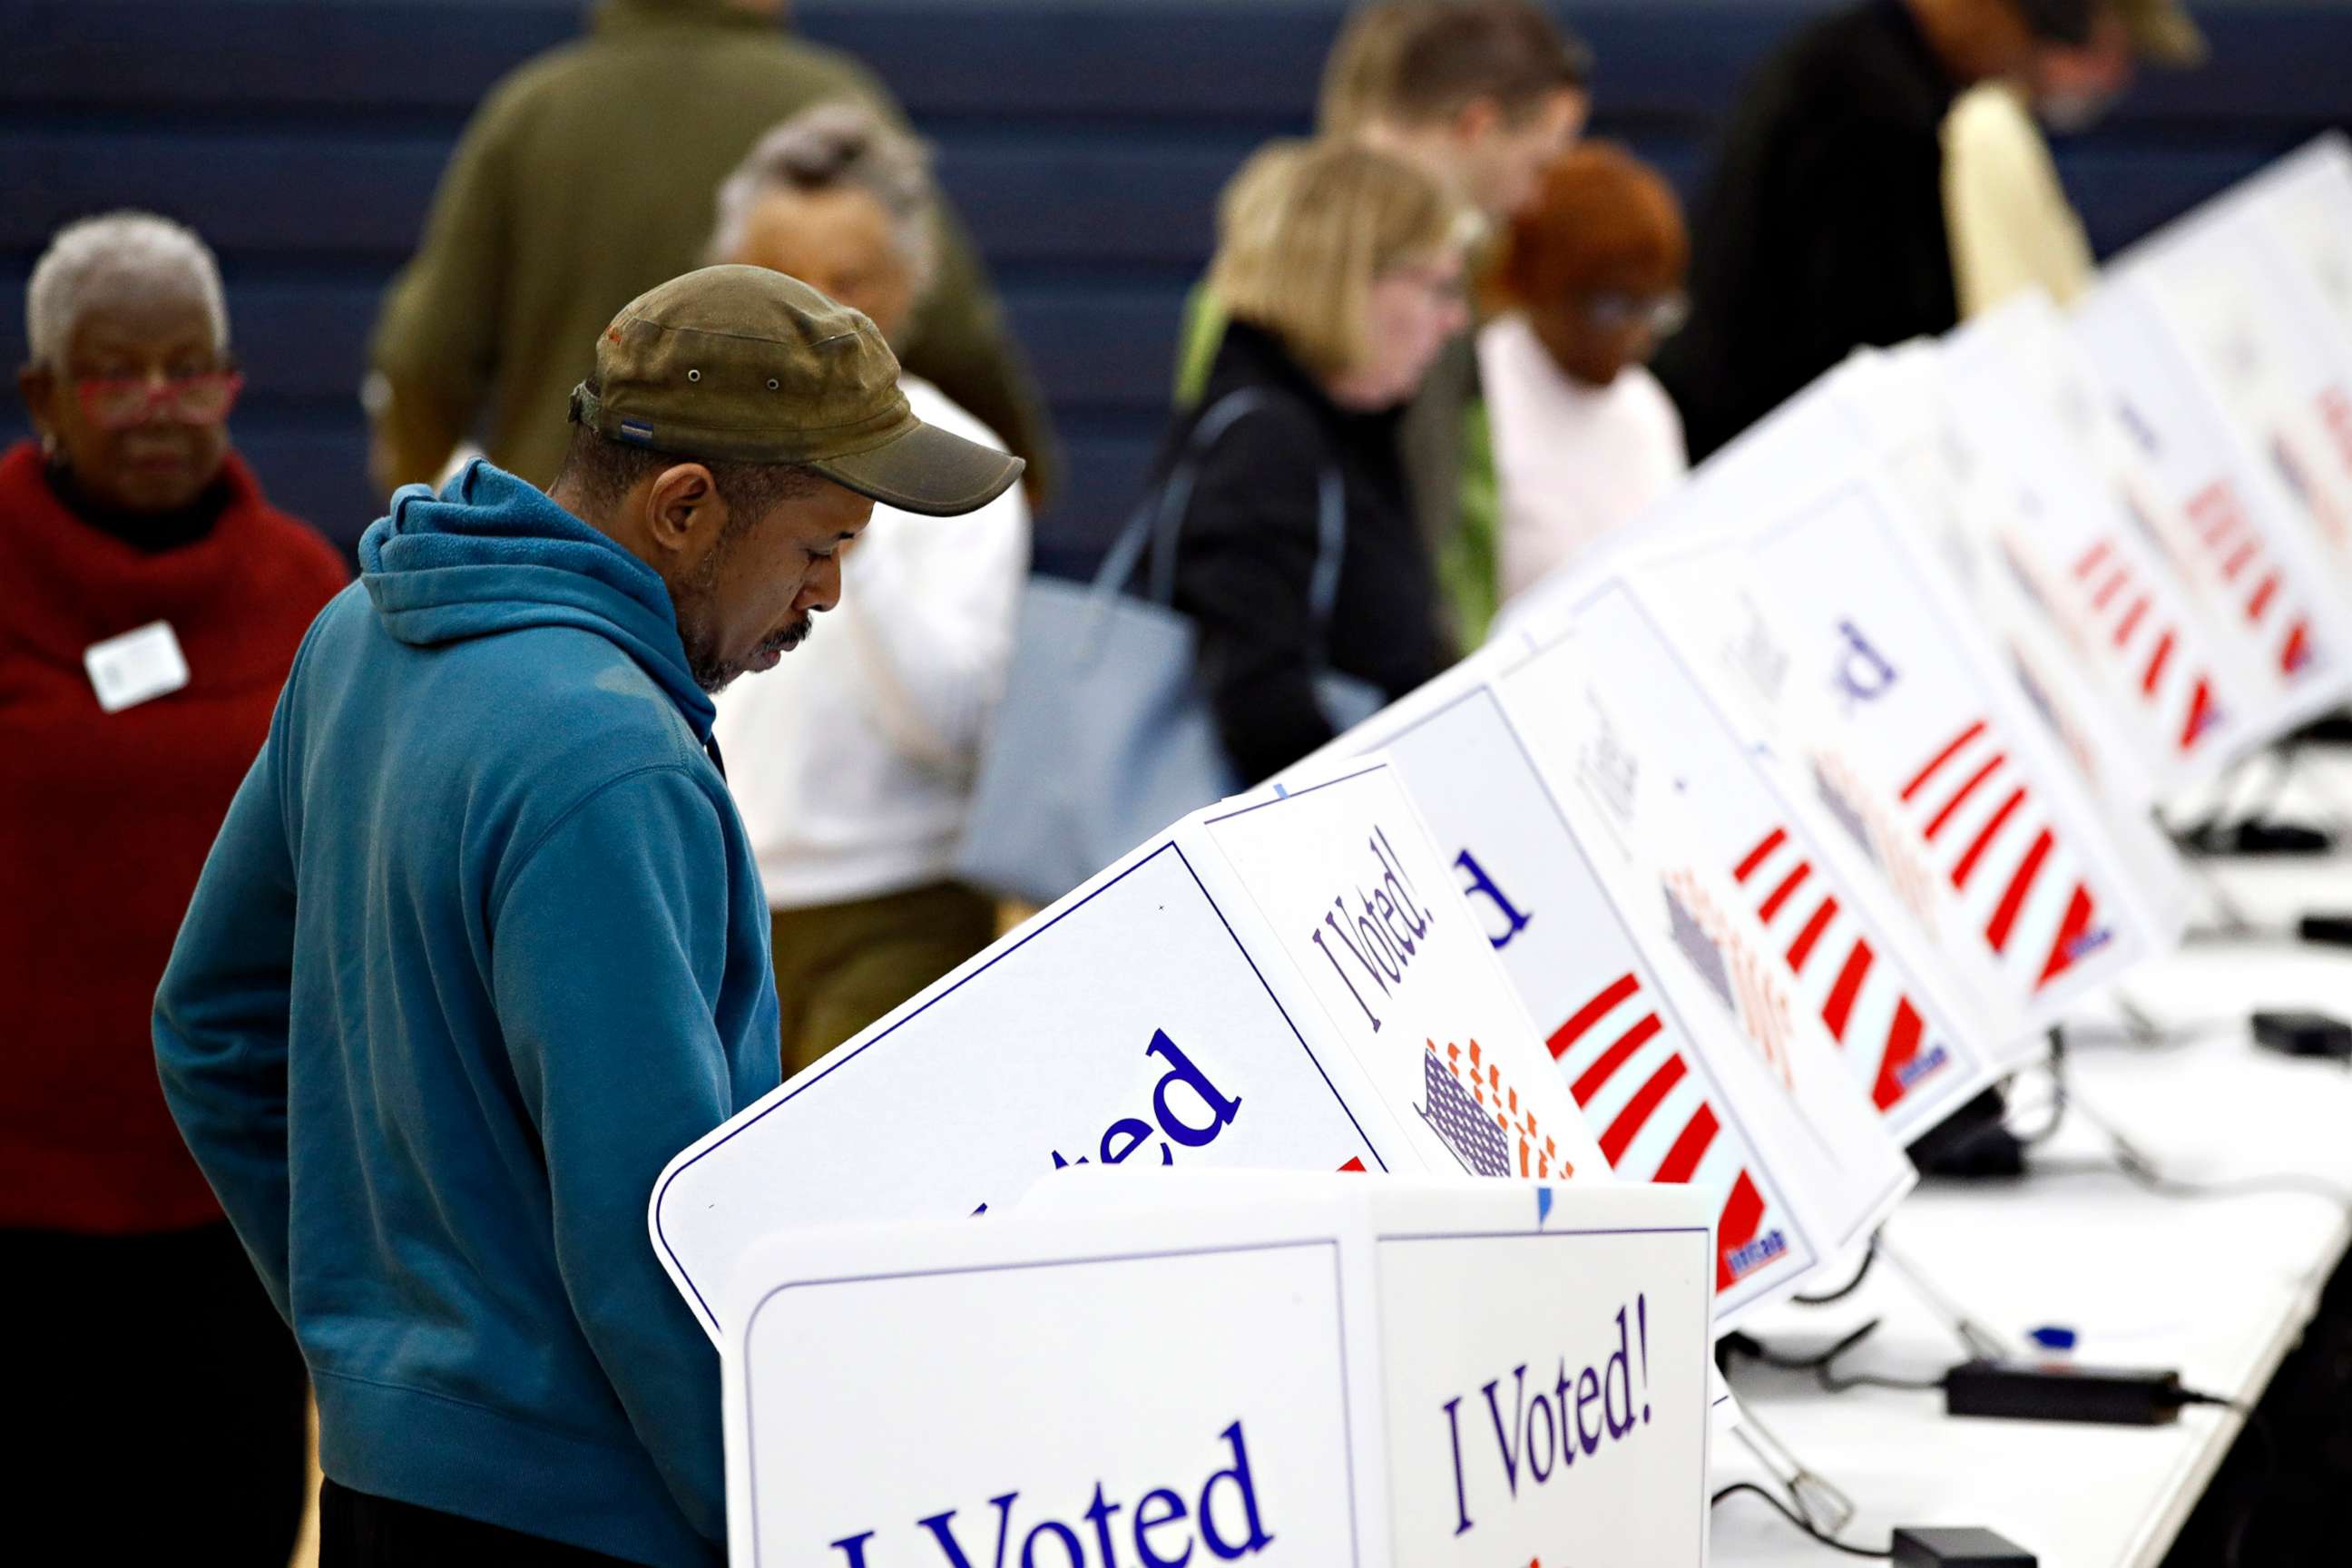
(481, 945)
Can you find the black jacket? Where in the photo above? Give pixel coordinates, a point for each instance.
(1824, 226)
(1248, 548)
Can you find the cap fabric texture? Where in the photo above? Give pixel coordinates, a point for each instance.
(745, 364)
(2059, 21)
(2164, 32)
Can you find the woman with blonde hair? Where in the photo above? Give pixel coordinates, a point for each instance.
(1298, 554)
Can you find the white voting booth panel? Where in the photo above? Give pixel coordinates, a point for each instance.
(2046, 486)
(1801, 589)
(1930, 754)
(1667, 1074)
(1737, 858)
(2222, 516)
(1276, 982)
(2305, 201)
(2115, 740)
(1316, 1372)
(2272, 355)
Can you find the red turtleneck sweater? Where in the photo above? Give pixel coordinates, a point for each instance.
(105, 820)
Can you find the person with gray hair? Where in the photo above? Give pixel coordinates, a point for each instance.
(853, 765)
(151, 603)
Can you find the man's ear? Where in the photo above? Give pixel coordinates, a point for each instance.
(683, 512)
(38, 385)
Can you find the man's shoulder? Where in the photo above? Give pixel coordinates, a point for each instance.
(554, 698)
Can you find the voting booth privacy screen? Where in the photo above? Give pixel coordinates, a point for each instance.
(1286, 982)
(1400, 1134)
(1149, 1366)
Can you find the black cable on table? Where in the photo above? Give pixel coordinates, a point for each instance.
(1827, 1298)
(1823, 1364)
(1795, 1518)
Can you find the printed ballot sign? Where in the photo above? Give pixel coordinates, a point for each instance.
(1985, 513)
(1335, 1371)
(2220, 514)
(2104, 635)
(1408, 982)
(1281, 982)
(1739, 851)
(1674, 1086)
(1935, 763)
(2272, 354)
(1973, 518)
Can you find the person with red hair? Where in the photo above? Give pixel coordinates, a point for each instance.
(1584, 436)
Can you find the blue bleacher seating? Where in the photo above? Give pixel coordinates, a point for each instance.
(1083, 143)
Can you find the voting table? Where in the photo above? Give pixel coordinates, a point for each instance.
(1740, 857)
(2219, 1288)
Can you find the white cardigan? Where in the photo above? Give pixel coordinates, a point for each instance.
(852, 761)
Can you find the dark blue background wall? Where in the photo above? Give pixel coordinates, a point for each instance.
(1085, 142)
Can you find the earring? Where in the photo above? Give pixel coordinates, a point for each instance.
(49, 444)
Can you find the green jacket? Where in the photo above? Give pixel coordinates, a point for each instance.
(592, 173)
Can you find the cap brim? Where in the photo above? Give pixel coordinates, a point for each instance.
(926, 470)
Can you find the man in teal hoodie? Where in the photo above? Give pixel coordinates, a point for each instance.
(481, 945)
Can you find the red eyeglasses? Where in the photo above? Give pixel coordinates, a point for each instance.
(117, 402)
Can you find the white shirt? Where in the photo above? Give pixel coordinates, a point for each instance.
(1572, 461)
(852, 761)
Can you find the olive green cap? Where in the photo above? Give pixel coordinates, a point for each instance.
(2164, 32)
(744, 365)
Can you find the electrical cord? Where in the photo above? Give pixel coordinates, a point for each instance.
(1823, 1365)
(2056, 1115)
(1785, 1511)
(2138, 1169)
(2134, 1168)
(1827, 1298)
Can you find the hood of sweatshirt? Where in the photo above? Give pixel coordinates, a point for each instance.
(491, 555)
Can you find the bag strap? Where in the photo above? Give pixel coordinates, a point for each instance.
(1150, 538)
(1160, 517)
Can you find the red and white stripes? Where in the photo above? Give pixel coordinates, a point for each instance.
(1634, 1082)
(2113, 597)
(2019, 885)
(2242, 570)
(1861, 999)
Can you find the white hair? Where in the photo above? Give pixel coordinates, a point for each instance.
(98, 259)
(829, 147)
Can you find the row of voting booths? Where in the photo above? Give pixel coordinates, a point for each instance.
(1468, 1080)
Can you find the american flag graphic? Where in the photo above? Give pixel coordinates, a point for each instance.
(2115, 594)
(1737, 976)
(1479, 1117)
(1881, 840)
(2310, 492)
(2240, 570)
(1630, 1077)
(2019, 883)
(1861, 999)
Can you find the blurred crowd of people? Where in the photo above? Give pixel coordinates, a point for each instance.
(1441, 308)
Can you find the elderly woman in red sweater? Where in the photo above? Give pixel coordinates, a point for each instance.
(150, 606)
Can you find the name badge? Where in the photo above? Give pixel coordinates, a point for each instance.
(136, 667)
